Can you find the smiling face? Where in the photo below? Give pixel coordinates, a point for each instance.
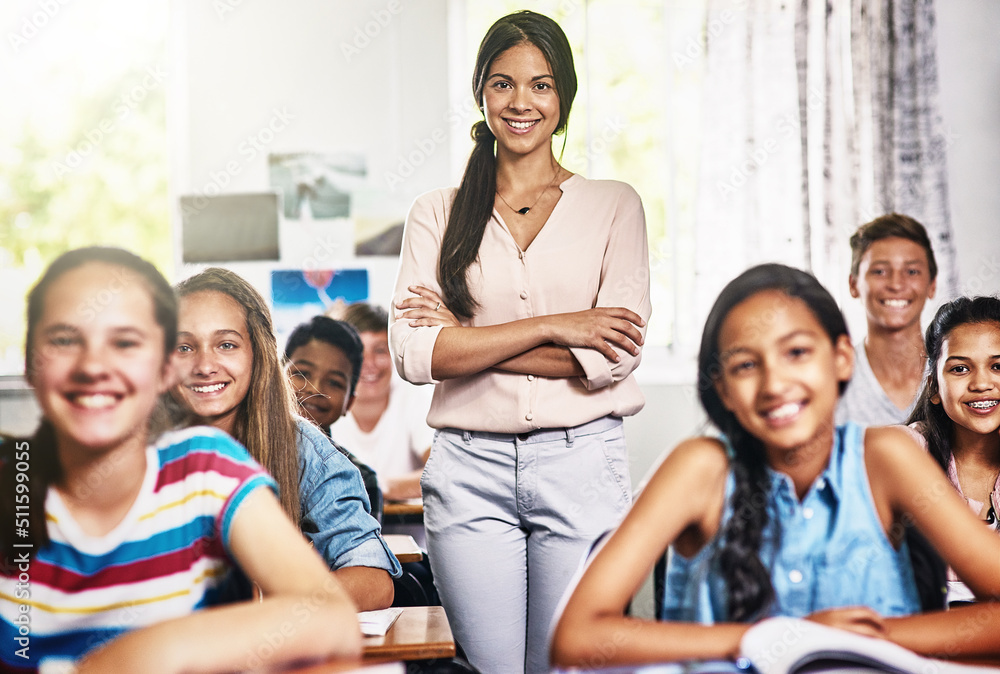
(780, 371)
(376, 369)
(893, 282)
(98, 368)
(214, 357)
(520, 101)
(320, 375)
(968, 374)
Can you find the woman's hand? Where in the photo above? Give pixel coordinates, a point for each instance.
(600, 329)
(858, 619)
(427, 309)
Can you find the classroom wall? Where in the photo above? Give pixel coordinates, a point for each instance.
(372, 76)
(252, 79)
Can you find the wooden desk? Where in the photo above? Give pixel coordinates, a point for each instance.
(404, 547)
(419, 633)
(402, 512)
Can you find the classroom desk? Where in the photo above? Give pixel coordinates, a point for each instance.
(419, 633)
(402, 512)
(404, 547)
(348, 667)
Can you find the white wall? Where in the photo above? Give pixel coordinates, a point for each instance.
(365, 77)
(231, 70)
(385, 93)
(969, 71)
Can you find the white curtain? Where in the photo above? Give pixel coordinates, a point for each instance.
(819, 115)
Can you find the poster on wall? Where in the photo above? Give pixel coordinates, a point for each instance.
(229, 227)
(297, 295)
(317, 186)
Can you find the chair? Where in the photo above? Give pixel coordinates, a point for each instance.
(416, 586)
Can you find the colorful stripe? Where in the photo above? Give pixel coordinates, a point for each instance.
(172, 558)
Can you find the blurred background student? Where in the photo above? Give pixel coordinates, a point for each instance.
(386, 426)
(893, 273)
(323, 362)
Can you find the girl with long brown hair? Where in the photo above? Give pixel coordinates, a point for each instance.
(524, 295)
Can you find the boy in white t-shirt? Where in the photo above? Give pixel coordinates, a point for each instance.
(893, 273)
(386, 426)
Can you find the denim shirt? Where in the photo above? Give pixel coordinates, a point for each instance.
(830, 550)
(335, 508)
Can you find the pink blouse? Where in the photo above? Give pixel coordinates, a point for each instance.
(591, 252)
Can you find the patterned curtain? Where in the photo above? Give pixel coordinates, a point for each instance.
(819, 115)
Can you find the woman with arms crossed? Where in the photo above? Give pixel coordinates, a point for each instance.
(548, 273)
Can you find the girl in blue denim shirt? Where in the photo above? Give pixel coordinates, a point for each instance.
(231, 378)
(785, 513)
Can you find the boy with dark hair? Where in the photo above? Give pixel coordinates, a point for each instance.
(323, 361)
(893, 273)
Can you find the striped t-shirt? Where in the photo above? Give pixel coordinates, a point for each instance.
(167, 557)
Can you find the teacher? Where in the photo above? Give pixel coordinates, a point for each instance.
(523, 295)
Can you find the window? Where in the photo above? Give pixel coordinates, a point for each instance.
(83, 156)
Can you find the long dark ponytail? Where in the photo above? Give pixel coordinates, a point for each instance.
(38, 455)
(473, 205)
(935, 424)
(748, 581)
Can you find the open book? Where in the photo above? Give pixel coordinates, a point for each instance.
(795, 646)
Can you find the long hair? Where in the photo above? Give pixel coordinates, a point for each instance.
(265, 419)
(748, 582)
(473, 205)
(42, 465)
(936, 426)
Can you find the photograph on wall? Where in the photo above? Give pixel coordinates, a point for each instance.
(229, 227)
(297, 295)
(317, 186)
(378, 216)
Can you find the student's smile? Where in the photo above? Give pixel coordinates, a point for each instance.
(376, 369)
(893, 282)
(780, 371)
(214, 357)
(320, 374)
(969, 377)
(97, 374)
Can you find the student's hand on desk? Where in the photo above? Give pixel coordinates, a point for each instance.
(427, 309)
(858, 619)
(600, 328)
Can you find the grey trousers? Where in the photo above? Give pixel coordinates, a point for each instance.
(508, 519)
